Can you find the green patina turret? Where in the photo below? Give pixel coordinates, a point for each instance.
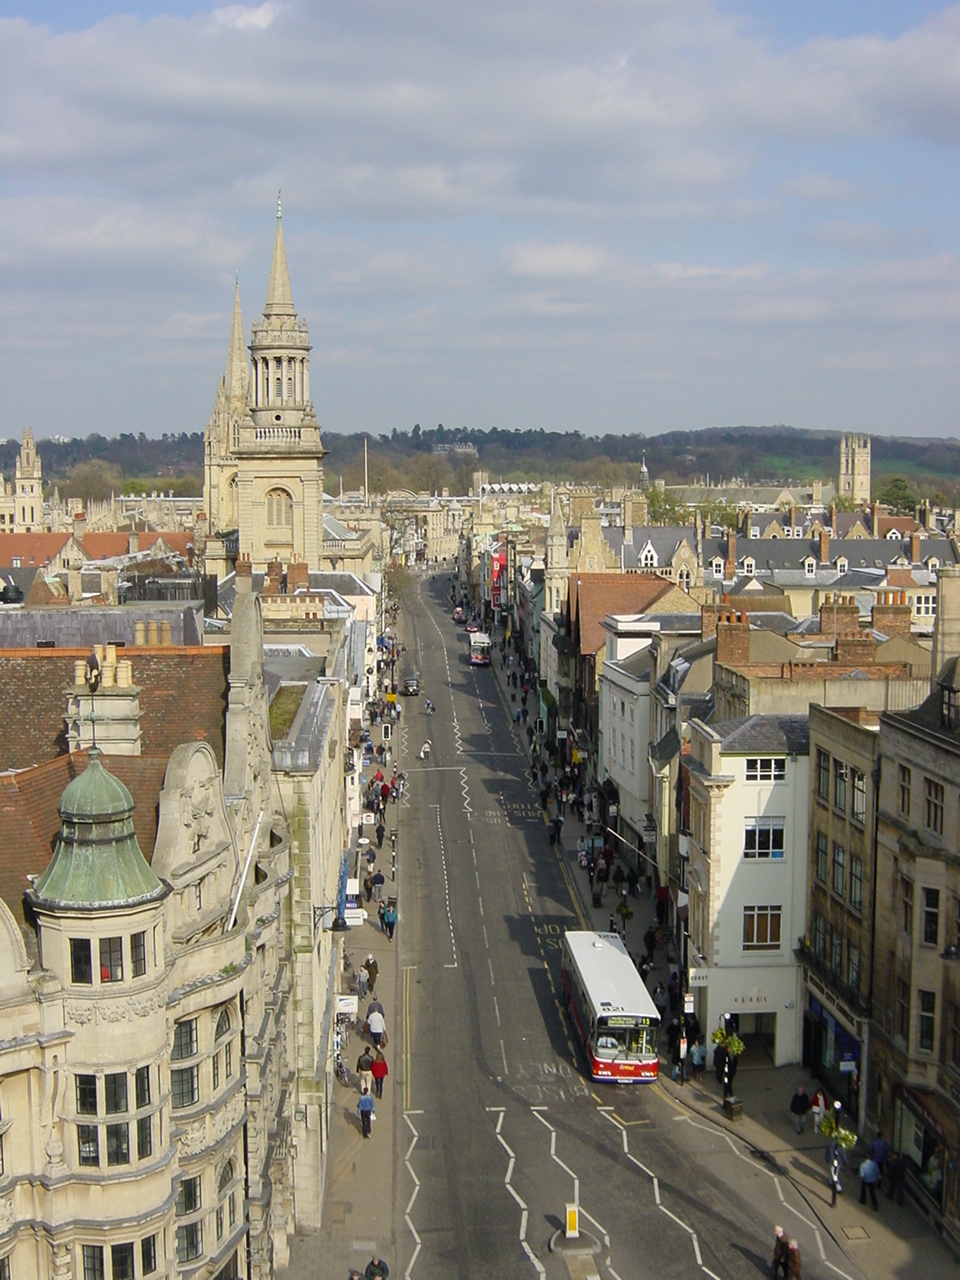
(97, 862)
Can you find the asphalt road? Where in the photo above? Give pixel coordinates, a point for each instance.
(499, 1127)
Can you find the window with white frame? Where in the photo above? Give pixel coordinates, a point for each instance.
(761, 928)
(717, 566)
(766, 769)
(810, 567)
(763, 838)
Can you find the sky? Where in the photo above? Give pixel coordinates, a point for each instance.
(595, 215)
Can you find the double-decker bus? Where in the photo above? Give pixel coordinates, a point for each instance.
(616, 1020)
(479, 649)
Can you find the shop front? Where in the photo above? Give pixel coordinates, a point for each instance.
(833, 1051)
(919, 1137)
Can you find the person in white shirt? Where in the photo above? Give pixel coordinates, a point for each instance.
(377, 1027)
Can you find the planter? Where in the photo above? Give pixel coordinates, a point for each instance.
(733, 1108)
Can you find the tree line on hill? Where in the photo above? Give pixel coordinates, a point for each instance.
(95, 466)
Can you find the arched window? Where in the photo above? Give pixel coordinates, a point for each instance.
(223, 1024)
(226, 1177)
(279, 388)
(649, 558)
(289, 388)
(279, 509)
(684, 578)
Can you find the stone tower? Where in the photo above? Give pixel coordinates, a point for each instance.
(264, 468)
(28, 488)
(855, 469)
(556, 562)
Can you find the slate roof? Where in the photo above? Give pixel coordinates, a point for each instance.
(765, 734)
(665, 539)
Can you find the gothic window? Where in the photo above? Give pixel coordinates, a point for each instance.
(279, 509)
(289, 388)
(684, 578)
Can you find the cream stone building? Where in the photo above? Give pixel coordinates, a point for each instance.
(146, 999)
(263, 465)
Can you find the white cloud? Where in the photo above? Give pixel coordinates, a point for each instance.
(588, 178)
(243, 17)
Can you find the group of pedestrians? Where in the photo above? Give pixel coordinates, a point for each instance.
(372, 1067)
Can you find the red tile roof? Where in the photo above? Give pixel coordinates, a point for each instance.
(30, 819)
(104, 546)
(31, 548)
(183, 698)
(594, 595)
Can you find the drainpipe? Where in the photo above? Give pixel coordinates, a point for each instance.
(875, 774)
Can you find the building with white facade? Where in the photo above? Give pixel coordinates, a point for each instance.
(747, 875)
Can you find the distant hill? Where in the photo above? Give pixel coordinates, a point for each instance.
(409, 458)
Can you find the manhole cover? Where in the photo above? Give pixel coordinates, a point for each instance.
(855, 1233)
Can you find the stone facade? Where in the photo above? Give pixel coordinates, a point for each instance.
(263, 469)
(145, 1053)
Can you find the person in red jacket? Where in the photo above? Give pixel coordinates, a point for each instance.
(379, 1071)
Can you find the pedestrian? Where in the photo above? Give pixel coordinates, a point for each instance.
(633, 882)
(897, 1174)
(799, 1106)
(377, 1027)
(366, 1112)
(698, 1056)
(379, 880)
(376, 1269)
(375, 1005)
(368, 884)
(618, 876)
(381, 832)
(373, 969)
(879, 1150)
(793, 1261)
(678, 1058)
(869, 1177)
(364, 1065)
(382, 915)
(781, 1248)
(661, 1000)
(362, 982)
(650, 942)
(380, 1072)
(390, 920)
(818, 1107)
(673, 991)
(425, 751)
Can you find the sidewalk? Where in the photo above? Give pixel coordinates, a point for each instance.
(894, 1242)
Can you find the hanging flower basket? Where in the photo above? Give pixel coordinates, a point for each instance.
(836, 1133)
(624, 910)
(732, 1043)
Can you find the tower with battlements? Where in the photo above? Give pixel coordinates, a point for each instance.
(855, 469)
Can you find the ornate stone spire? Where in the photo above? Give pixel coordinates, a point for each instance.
(279, 297)
(237, 378)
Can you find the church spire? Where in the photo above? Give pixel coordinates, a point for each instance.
(279, 297)
(237, 377)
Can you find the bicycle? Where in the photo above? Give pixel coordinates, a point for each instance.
(340, 1070)
(343, 1030)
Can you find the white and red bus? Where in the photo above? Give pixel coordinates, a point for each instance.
(479, 649)
(616, 1020)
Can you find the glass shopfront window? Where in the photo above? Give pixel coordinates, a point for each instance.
(917, 1137)
(833, 1056)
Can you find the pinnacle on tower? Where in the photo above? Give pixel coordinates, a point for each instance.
(237, 378)
(279, 297)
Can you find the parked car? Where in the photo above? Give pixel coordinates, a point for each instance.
(459, 615)
(472, 628)
(411, 687)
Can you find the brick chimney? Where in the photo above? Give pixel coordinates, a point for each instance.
(244, 574)
(733, 640)
(824, 547)
(730, 568)
(839, 616)
(915, 548)
(298, 576)
(855, 651)
(892, 614)
(875, 520)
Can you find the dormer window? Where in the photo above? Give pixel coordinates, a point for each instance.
(810, 567)
(717, 566)
(933, 564)
(841, 565)
(749, 566)
(649, 560)
(949, 708)
(754, 531)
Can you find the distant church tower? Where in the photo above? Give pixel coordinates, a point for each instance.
(28, 488)
(556, 571)
(855, 469)
(264, 457)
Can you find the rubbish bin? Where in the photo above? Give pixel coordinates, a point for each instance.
(597, 897)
